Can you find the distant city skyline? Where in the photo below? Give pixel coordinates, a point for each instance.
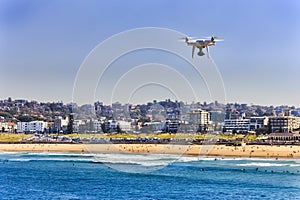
(153, 101)
(43, 44)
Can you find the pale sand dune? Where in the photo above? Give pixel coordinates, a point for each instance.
(209, 150)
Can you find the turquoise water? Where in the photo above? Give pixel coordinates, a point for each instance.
(145, 176)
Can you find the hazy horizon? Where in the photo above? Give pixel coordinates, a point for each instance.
(157, 100)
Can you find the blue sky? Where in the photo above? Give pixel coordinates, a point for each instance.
(43, 43)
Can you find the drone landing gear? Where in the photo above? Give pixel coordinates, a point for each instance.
(201, 53)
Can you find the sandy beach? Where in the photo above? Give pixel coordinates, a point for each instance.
(287, 151)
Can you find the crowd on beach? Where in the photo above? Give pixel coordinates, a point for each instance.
(244, 150)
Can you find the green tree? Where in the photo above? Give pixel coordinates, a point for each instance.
(103, 127)
(6, 115)
(91, 126)
(234, 131)
(119, 130)
(70, 124)
(25, 118)
(224, 130)
(262, 130)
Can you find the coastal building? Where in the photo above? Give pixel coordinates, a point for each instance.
(283, 124)
(125, 126)
(171, 126)
(111, 126)
(216, 116)
(9, 127)
(37, 126)
(97, 126)
(60, 124)
(87, 126)
(198, 120)
(78, 125)
(237, 125)
(155, 126)
(258, 122)
(173, 114)
(31, 127)
(284, 137)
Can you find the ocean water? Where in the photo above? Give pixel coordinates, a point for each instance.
(145, 176)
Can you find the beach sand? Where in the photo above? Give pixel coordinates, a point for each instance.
(287, 151)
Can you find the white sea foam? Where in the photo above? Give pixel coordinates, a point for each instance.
(261, 164)
(294, 165)
(138, 159)
(19, 160)
(12, 153)
(59, 154)
(195, 158)
(148, 159)
(50, 159)
(107, 158)
(142, 160)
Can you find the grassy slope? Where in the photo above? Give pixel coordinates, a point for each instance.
(166, 136)
(9, 137)
(6, 137)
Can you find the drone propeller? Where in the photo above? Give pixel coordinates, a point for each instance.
(184, 38)
(214, 38)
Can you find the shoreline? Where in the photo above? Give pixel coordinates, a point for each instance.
(261, 151)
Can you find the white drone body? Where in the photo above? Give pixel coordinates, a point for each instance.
(201, 44)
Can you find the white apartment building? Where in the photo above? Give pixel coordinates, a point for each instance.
(31, 127)
(155, 126)
(78, 126)
(87, 126)
(125, 126)
(239, 125)
(198, 117)
(258, 122)
(198, 120)
(97, 126)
